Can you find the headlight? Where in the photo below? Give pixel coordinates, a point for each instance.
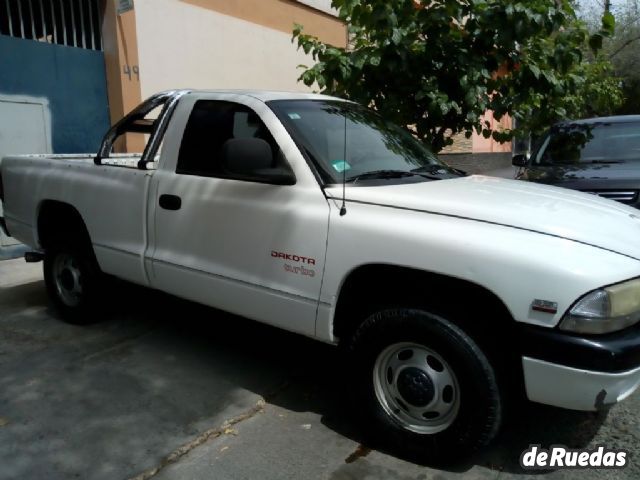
(605, 310)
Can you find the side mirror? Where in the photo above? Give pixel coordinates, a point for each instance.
(252, 158)
(520, 160)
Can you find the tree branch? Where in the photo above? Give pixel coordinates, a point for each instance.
(624, 45)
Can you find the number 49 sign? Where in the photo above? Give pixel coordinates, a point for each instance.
(130, 71)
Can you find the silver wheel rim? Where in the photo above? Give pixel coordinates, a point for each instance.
(416, 387)
(68, 279)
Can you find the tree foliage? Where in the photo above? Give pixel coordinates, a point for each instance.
(437, 66)
(622, 49)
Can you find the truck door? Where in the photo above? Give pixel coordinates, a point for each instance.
(253, 248)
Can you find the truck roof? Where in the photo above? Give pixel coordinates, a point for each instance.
(263, 95)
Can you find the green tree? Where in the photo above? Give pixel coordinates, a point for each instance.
(622, 49)
(438, 66)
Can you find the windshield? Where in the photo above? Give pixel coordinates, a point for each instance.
(373, 146)
(590, 143)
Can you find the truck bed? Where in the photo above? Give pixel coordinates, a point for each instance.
(99, 193)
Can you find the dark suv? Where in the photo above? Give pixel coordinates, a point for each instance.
(597, 155)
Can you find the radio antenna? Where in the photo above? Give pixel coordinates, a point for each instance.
(343, 208)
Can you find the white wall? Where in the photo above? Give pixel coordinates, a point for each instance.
(184, 46)
(322, 5)
(25, 127)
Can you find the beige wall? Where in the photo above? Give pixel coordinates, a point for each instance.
(207, 44)
(477, 143)
(282, 14)
(461, 144)
(121, 55)
(183, 44)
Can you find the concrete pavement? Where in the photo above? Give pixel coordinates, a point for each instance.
(166, 389)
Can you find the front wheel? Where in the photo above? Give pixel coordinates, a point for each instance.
(72, 278)
(422, 385)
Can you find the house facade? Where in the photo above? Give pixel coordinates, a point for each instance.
(71, 68)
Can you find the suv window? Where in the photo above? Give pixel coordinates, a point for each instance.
(210, 125)
(594, 142)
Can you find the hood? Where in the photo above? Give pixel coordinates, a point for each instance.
(545, 209)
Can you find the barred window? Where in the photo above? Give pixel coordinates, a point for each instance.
(74, 23)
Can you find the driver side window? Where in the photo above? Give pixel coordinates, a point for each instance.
(211, 125)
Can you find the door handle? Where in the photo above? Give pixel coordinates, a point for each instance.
(170, 202)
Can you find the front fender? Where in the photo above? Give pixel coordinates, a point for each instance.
(517, 265)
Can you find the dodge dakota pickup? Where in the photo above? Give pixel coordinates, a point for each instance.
(314, 214)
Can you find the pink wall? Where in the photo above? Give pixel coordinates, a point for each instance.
(488, 145)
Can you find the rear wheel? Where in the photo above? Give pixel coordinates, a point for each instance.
(72, 278)
(422, 386)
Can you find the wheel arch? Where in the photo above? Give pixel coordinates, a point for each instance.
(58, 220)
(370, 286)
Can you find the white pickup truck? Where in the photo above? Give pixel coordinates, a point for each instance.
(315, 215)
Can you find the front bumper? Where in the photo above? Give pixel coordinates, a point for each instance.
(580, 372)
(574, 388)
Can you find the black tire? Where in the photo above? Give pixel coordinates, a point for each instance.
(478, 406)
(86, 280)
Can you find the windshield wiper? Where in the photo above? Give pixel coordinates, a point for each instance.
(434, 171)
(605, 162)
(386, 174)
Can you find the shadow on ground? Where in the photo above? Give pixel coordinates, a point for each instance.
(314, 381)
(111, 399)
